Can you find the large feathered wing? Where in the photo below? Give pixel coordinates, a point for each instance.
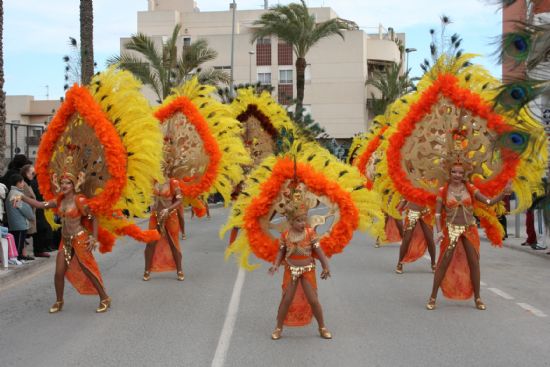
(336, 187)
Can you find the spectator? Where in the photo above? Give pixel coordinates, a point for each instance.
(14, 168)
(19, 215)
(3, 193)
(44, 232)
(502, 217)
(530, 226)
(27, 171)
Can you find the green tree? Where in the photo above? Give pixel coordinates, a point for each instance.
(294, 24)
(162, 69)
(2, 94)
(392, 84)
(87, 40)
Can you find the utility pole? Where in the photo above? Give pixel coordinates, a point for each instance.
(233, 7)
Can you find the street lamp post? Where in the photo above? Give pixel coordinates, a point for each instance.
(250, 53)
(15, 127)
(408, 51)
(233, 7)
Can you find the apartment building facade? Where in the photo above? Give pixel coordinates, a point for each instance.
(335, 91)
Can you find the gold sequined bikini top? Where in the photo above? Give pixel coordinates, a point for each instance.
(301, 249)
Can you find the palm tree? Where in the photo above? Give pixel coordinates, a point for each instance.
(87, 40)
(161, 69)
(2, 94)
(296, 26)
(391, 84)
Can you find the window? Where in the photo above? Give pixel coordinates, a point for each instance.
(227, 67)
(186, 41)
(264, 78)
(263, 41)
(263, 51)
(285, 76)
(284, 93)
(377, 66)
(284, 54)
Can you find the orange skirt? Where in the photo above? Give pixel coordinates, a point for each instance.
(392, 231)
(299, 313)
(163, 260)
(418, 245)
(457, 283)
(84, 258)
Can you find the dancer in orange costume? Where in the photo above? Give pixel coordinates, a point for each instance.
(277, 196)
(458, 267)
(91, 168)
(417, 235)
(165, 254)
(79, 233)
(299, 245)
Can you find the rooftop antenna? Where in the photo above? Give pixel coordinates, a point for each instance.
(47, 91)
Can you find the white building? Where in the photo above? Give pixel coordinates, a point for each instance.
(26, 119)
(335, 91)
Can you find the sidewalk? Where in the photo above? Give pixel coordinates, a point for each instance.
(514, 242)
(13, 272)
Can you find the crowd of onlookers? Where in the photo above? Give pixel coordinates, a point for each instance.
(24, 224)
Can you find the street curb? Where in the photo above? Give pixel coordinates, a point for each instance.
(27, 269)
(527, 249)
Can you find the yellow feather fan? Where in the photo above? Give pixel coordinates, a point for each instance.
(216, 151)
(338, 186)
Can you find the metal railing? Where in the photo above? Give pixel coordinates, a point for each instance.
(22, 139)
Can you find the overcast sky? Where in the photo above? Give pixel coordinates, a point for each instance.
(36, 31)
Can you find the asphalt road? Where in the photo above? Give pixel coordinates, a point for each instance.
(377, 318)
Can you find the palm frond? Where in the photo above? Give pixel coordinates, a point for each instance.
(140, 69)
(214, 77)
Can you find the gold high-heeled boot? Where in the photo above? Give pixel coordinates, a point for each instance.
(57, 306)
(181, 276)
(104, 305)
(325, 334)
(276, 334)
(431, 304)
(480, 305)
(146, 275)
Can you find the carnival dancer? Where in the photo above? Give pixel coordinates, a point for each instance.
(203, 151)
(369, 150)
(453, 128)
(298, 247)
(165, 254)
(276, 197)
(92, 167)
(417, 235)
(79, 237)
(458, 271)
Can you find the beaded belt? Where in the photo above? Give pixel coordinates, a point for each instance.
(413, 216)
(68, 246)
(297, 271)
(455, 231)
